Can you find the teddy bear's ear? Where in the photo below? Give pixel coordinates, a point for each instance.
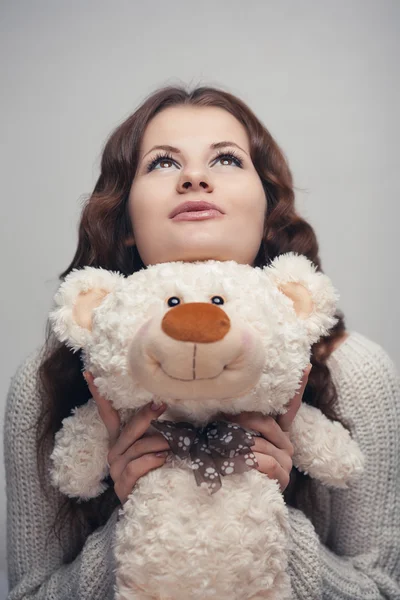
(314, 298)
(79, 294)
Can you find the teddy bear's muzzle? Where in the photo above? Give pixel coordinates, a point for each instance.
(197, 351)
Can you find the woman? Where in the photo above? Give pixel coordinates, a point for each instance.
(203, 146)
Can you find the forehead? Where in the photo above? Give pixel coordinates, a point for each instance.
(189, 126)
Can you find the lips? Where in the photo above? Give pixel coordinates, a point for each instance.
(194, 207)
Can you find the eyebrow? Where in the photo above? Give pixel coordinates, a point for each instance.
(215, 146)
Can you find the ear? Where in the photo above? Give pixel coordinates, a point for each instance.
(81, 292)
(314, 298)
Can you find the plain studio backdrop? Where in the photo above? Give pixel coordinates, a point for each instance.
(321, 75)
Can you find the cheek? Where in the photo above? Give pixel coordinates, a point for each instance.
(259, 201)
(247, 339)
(257, 211)
(146, 209)
(137, 200)
(250, 199)
(143, 330)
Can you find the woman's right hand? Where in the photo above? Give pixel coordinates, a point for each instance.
(131, 454)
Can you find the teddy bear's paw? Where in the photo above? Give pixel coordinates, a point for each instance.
(281, 589)
(324, 449)
(66, 480)
(349, 467)
(126, 589)
(346, 468)
(79, 457)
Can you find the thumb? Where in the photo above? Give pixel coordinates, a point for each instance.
(286, 420)
(107, 412)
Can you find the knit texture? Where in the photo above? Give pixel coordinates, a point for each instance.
(346, 545)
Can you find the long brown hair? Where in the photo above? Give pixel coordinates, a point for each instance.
(103, 229)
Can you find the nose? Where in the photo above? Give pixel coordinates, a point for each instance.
(194, 181)
(195, 184)
(197, 322)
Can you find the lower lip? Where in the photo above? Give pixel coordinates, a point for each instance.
(198, 215)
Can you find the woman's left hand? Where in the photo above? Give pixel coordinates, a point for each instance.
(274, 451)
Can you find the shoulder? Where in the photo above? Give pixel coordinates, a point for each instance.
(365, 376)
(356, 351)
(23, 398)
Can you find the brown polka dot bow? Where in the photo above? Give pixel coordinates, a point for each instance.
(219, 448)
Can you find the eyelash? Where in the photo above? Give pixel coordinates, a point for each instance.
(168, 156)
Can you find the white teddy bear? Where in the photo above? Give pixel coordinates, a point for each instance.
(204, 337)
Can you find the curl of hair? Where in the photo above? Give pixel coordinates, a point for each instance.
(103, 229)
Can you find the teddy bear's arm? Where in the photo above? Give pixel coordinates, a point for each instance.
(79, 457)
(324, 449)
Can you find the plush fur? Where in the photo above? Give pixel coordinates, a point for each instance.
(243, 351)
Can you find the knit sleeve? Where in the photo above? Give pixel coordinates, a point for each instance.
(349, 547)
(39, 567)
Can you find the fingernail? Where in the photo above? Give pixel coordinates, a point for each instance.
(157, 405)
(164, 453)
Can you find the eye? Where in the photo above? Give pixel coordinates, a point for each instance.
(165, 157)
(232, 156)
(160, 157)
(173, 301)
(219, 300)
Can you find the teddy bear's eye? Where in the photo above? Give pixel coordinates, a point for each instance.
(173, 301)
(217, 300)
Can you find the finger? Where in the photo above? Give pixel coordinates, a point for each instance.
(107, 412)
(283, 457)
(285, 421)
(271, 467)
(266, 425)
(133, 471)
(135, 428)
(144, 445)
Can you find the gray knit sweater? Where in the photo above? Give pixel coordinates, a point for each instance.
(347, 547)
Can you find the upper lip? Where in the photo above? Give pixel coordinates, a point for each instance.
(193, 206)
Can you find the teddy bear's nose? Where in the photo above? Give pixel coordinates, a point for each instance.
(196, 322)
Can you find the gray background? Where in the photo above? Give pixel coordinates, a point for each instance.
(322, 76)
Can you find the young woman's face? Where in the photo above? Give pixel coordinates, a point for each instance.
(193, 172)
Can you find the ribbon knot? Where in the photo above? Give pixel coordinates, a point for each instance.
(219, 448)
